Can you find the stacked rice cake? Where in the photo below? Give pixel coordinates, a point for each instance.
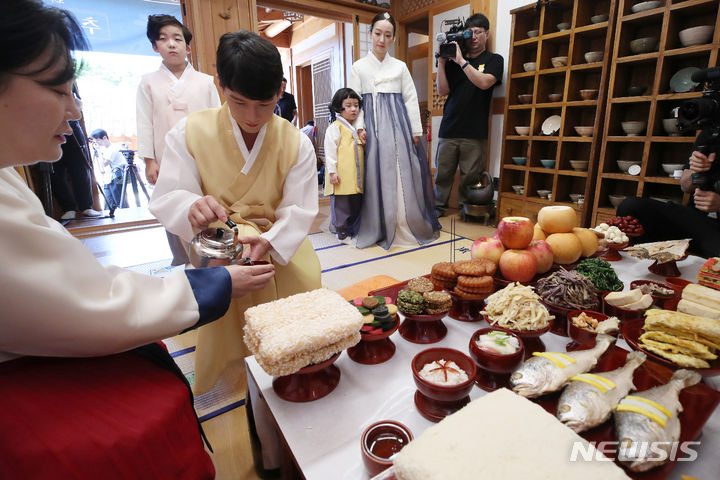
(501, 436)
(686, 340)
(700, 301)
(288, 334)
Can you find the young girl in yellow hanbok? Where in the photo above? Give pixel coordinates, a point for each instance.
(344, 164)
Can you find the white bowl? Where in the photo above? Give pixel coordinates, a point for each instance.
(579, 165)
(616, 200)
(563, 26)
(696, 35)
(599, 18)
(671, 127)
(559, 61)
(624, 165)
(642, 6)
(533, 33)
(529, 66)
(592, 57)
(543, 193)
(670, 168)
(522, 130)
(519, 189)
(633, 128)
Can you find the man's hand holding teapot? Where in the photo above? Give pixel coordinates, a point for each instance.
(205, 211)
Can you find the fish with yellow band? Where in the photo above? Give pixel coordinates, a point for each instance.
(549, 371)
(650, 417)
(589, 398)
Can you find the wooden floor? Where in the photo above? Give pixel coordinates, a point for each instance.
(127, 246)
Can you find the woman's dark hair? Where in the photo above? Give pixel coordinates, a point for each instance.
(98, 134)
(336, 104)
(31, 30)
(156, 22)
(249, 65)
(384, 16)
(477, 20)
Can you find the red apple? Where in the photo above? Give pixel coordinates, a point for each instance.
(490, 248)
(515, 232)
(518, 265)
(543, 254)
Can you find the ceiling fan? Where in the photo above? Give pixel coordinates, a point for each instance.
(275, 24)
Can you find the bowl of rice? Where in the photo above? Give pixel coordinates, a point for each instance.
(443, 374)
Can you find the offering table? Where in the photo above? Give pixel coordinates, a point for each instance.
(323, 436)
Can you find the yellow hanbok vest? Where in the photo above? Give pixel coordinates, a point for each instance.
(251, 200)
(346, 165)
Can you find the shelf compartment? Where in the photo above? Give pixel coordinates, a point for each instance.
(550, 48)
(663, 192)
(661, 153)
(615, 151)
(521, 86)
(559, 11)
(539, 181)
(626, 112)
(540, 151)
(617, 187)
(567, 184)
(580, 117)
(521, 55)
(515, 148)
(635, 74)
(542, 115)
(672, 65)
(574, 151)
(580, 80)
(510, 178)
(634, 30)
(549, 84)
(586, 10)
(664, 110)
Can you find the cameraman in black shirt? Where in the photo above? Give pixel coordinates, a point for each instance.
(468, 83)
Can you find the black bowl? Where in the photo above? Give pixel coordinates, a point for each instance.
(635, 91)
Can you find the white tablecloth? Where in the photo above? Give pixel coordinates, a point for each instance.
(324, 435)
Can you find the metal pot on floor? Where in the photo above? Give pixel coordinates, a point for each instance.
(479, 199)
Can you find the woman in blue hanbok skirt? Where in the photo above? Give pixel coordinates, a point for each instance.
(398, 203)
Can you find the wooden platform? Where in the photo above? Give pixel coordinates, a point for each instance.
(125, 220)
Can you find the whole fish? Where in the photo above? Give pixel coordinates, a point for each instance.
(549, 371)
(589, 399)
(648, 427)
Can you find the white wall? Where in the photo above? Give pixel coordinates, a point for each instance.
(501, 37)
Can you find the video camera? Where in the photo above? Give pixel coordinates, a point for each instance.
(704, 114)
(129, 156)
(455, 33)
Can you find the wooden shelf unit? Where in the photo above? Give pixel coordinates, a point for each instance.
(652, 70)
(583, 36)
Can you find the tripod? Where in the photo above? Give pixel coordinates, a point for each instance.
(130, 172)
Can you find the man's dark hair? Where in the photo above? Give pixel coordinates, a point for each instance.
(249, 65)
(284, 79)
(156, 22)
(30, 30)
(99, 134)
(477, 20)
(337, 101)
(384, 16)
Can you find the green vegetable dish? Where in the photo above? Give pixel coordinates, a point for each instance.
(600, 273)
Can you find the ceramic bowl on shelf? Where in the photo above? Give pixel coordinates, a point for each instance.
(494, 368)
(599, 18)
(696, 35)
(643, 45)
(547, 163)
(525, 98)
(542, 193)
(682, 81)
(589, 93)
(555, 97)
(586, 131)
(574, 197)
(633, 128)
(624, 165)
(559, 61)
(529, 66)
(670, 125)
(380, 442)
(522, 130)
(592, 57)
(519, 189)
(635, 90)
(579, 165)
(533, 33)
(563, 26)
(642, 6)
(519, 160)
(670, 168)
(616, 200)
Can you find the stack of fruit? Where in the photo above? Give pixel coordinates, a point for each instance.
(628, 225)
(557, 225)
(379, 314)
(514, 250)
